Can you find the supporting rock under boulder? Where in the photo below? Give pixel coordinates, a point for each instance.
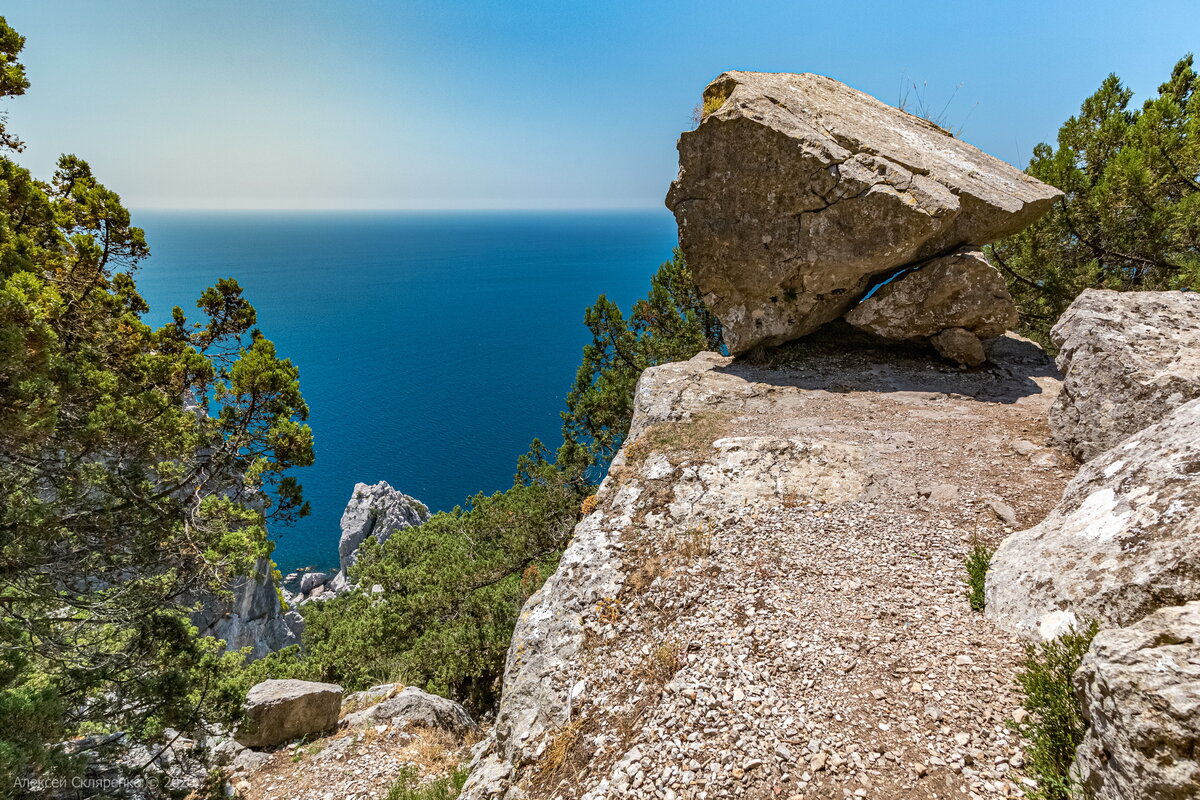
(797, 191)
(960, 293)
(1128, 359)
(1140, 688)
(959, 344)
(278, 711)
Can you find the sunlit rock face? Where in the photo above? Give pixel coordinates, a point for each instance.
(1140, 691)
(1124, 541)
(1128, 359)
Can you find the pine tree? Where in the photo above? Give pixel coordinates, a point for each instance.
(670, 324)
(138, 467)
(1130, 217)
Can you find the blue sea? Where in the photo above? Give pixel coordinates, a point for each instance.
(432, 346)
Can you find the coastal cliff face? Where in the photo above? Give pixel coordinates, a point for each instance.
(253, 617)
(768, 598)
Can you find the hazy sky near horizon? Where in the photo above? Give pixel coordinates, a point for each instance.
(519, 103)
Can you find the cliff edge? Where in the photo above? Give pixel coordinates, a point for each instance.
(768, 599)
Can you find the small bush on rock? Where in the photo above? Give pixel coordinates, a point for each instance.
(409, 787)
(1055, 725)
(977, 562)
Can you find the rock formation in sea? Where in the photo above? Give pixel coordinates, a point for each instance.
(797, 194)
(254, 616)
(378, 511)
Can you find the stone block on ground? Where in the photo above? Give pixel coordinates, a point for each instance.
(278, 711)
(1140, 689)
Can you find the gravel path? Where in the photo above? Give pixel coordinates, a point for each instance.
(794, 620)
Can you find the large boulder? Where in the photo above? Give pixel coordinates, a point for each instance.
(961, 291)
(277, 711)
(377, 511)
(1123, 542)
(795, 192)
(1128, 359)
(1140, 691)
(311, 580)
(415, 707)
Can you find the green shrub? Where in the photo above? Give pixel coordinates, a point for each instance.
(409, 787)
(451, 591)
(978, 559)
(1128, 216)
(1055, 725)
(670, 324)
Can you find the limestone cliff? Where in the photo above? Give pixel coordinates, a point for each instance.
(768, 599)
(253, 617)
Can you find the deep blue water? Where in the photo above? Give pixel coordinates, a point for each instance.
(432, 346)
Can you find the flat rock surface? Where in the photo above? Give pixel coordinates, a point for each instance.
(768, 600)
(1128, 359)
(796, 190)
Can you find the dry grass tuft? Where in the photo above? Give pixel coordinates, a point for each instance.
(588, 505)
(608, 610)
(436, 751)
(663, 662)
(691, 437)
(562, 742)
(693, 544)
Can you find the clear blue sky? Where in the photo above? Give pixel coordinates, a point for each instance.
(513, 103)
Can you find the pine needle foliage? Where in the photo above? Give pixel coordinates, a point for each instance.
(1055, 725)
(1130, 217)
(409, 787)
(139, 467)
(670, 324)
(978, 559)
(439, 602)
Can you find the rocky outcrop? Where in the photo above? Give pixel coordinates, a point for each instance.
(277, 711)
(411, 706)
(253, 617)
(1140, 691)
(1124, 540)
(357, 760)
(377, 511)
(1128, 359)
(796, 193)
(765, 597)
(311, 580)
(953, 301)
